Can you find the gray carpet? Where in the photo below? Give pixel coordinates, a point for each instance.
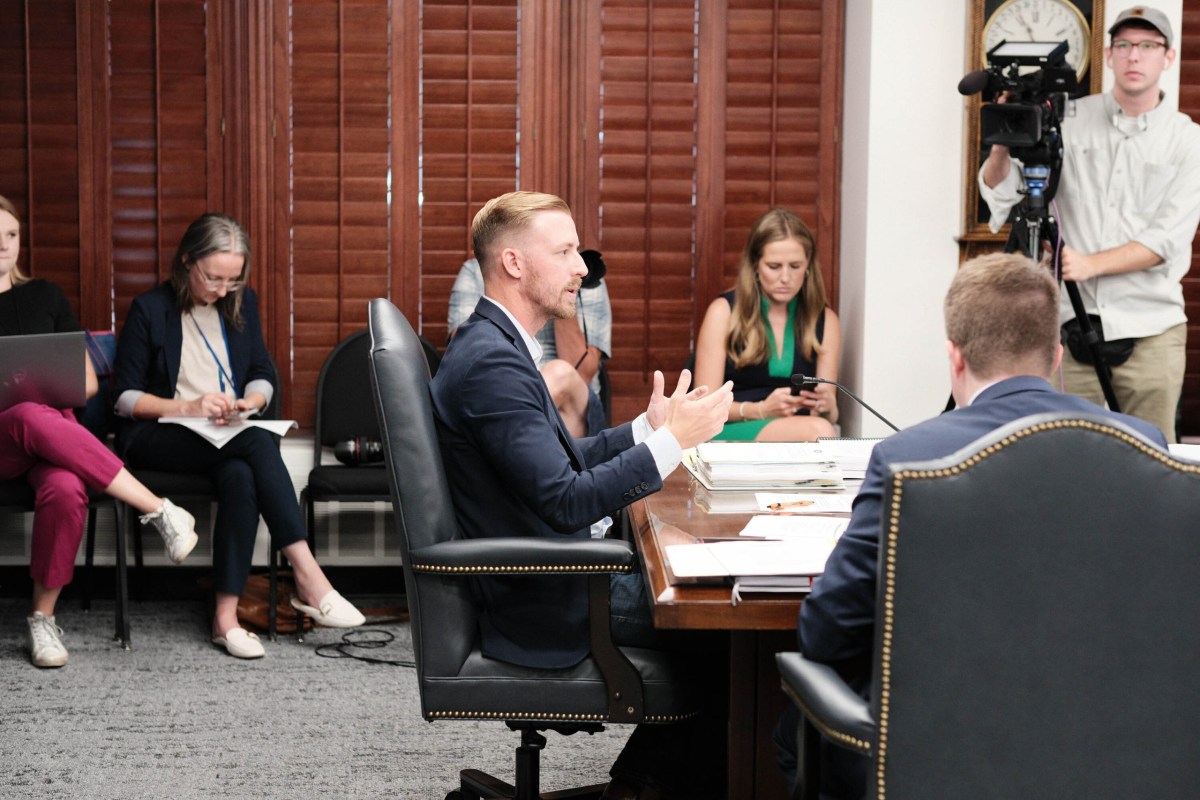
(177, 718)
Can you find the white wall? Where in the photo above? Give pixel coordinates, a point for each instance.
(902, 200)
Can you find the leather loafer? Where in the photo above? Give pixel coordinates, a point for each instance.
(240, 643)
(334, 611)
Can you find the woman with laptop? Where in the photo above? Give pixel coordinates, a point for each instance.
(194, 347)
(60, 458)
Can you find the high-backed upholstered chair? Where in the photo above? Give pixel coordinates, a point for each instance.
(456, 682)
(1037, 619)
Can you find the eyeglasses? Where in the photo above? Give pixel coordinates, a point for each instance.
(1146, 47)
(216, 284)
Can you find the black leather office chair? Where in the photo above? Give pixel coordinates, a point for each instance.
(198, 488)
(455, 680)
(1037, 624)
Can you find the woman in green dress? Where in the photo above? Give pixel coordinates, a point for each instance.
(773, 325)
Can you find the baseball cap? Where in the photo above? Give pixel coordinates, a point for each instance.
(1146, 14)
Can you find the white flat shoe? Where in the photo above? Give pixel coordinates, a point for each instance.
(334, 611)
(240, 643)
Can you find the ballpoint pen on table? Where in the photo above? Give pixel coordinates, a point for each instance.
(793, 504)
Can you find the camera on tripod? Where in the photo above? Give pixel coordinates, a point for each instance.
(1028, 123)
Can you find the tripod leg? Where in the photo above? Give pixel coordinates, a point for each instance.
(1029, 231)
(1092, 339)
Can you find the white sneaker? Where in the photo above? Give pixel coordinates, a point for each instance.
(178, 529)
(45, 641)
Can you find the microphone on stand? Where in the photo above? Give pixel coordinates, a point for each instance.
(799, 380)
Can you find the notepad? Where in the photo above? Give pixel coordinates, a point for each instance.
(220, 435)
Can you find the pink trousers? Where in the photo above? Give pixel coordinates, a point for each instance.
(60, 459)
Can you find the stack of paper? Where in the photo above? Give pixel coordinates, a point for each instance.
(727, 502)
(763, 465)
(851, 455)
(768, 546)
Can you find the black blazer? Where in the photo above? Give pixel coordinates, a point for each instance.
(149, 349)
(515, 471)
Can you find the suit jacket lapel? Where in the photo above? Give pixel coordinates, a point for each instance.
(174, 343)
(489, 311)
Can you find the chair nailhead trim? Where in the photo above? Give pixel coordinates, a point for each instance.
(893, 534)
(523, 569)
(552, 716)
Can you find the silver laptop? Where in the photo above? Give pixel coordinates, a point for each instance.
(43, 368)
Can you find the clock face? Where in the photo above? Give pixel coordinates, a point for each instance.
(1041, 21)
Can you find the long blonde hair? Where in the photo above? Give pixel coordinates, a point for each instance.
(15, 273)
(747, 340)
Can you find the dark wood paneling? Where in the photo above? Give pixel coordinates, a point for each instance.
(1189, 103)
(712, 112)
(356, 139)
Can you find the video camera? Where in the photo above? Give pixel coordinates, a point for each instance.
(1028, 123)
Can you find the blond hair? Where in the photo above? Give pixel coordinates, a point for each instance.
(15, 273)
(747, 340)
(1002, 312)
(508, 213)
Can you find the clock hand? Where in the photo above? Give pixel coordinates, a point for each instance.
(1028, 27)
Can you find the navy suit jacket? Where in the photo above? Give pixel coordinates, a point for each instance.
(151, 342)
(837, 621)
(514, 470)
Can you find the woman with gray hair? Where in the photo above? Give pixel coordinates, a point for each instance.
(194, 347)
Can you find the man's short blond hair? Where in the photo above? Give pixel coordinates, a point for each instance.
(506, 214)
(1002, 313)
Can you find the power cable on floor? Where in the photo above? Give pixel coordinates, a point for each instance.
(362, 639)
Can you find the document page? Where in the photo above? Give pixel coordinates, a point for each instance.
(219, 435)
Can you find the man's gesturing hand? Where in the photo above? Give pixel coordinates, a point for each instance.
(692, 417)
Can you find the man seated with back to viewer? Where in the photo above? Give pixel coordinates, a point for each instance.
(1003, 343)
(515, 471)
(573, 349)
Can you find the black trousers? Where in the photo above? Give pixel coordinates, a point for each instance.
(250, 479)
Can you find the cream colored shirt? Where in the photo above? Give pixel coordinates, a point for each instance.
(1124, 179)
(202, 370)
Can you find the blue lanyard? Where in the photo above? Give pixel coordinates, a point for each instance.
(222, 375)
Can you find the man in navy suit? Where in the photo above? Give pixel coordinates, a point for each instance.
(513, 468)
(1003, 343)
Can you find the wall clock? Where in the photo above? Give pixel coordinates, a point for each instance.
(1041, 21)
(1079, 22)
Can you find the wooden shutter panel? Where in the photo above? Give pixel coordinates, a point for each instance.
(340, 160)
(160, 125)
(40, 137)
(710, 113)
(647, 185)
(1189, 103)
(773, 123)
(468, 136)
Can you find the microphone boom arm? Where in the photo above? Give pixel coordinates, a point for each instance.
(800, 380)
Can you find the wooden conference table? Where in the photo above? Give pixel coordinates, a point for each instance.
(759, 628)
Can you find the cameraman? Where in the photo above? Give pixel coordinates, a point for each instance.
(1128, 204)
